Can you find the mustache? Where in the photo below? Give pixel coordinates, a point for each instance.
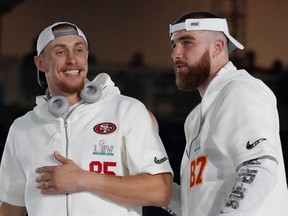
(179, 62)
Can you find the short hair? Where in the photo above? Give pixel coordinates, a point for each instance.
(63, 26)
(195, 15)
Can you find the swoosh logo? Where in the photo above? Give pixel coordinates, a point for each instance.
(162, 160)
(252, 145)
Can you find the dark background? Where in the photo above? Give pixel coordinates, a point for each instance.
(129, 40)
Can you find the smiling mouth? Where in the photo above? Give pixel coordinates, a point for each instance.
(72, 72)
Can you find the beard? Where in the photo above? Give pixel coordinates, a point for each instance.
(195, 75)
(66, 87)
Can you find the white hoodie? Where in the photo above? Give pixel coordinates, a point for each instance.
(114, 135)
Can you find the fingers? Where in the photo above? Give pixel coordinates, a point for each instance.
(43, 182)
(46, 187)
(49, 191)
(44, 177)
(44, 169)
(43, 185)
(57, 179)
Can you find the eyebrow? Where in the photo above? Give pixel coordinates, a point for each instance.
(64, 45)
(182, 38)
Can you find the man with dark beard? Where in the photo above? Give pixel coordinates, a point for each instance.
(84, 149)
(233, 161)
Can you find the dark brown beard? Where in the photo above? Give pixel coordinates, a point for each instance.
(196, 75)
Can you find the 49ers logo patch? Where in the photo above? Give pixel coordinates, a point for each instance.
(105, 128)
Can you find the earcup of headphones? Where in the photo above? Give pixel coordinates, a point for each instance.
(91, 92)
(58, 106)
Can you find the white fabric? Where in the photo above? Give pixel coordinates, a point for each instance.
(254, 181)
(174, 207)
(209, 24)
(235, 109)
(129, 150)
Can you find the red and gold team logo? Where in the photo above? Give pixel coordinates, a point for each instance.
(105, 128)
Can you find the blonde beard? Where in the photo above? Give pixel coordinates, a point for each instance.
(72, 89)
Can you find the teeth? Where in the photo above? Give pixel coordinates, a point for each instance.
(72, 72)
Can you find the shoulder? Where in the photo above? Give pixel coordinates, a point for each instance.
(126, 100)
(240, 85)
(126, 106)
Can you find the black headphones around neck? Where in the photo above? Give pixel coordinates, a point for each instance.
(59, 105)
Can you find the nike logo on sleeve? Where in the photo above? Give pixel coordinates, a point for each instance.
(252, 145)
(162, 160)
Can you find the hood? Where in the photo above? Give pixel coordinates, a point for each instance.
(103, 80)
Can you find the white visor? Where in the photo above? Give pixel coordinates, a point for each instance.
(209, 24)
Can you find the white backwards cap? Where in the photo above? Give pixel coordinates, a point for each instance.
(210, 24)
(47, 35)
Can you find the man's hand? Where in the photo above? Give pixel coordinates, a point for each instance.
(60, 179)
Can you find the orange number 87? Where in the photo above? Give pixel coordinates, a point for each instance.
(196, 170)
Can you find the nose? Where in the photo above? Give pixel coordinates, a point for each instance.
(71, 58)
(176, 53)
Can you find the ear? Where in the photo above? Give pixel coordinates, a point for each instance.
(219, 45)
(38, 60)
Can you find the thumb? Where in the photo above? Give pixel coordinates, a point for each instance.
(60, 158)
